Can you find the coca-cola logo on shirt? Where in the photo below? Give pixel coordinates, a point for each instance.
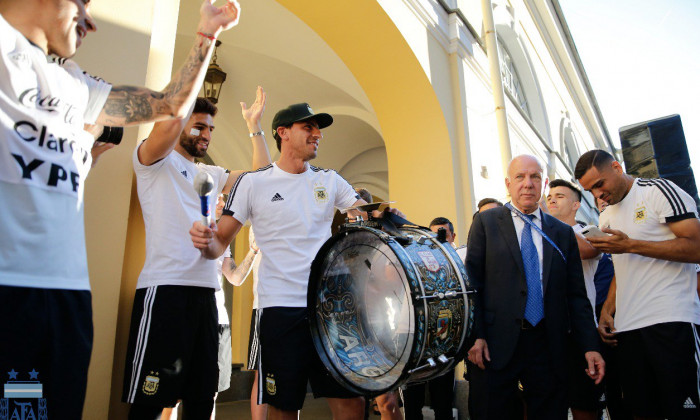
(32, 98)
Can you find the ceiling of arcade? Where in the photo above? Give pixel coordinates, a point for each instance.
(273, 48)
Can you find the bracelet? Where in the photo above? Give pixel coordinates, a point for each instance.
(259, 133)
(206, 35)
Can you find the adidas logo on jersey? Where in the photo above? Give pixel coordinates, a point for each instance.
(277, 197)
(184, 173)
(688, 403)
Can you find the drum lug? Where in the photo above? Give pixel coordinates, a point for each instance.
(441, 295)
(430, 363)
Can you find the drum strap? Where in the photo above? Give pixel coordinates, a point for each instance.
(537, 228)
(390, 223)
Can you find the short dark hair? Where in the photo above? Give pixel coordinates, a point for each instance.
(488, 200)
(364, 194)
(442, 221)
(277, 137)
(593, 158)
(567, 184)
(205, 106)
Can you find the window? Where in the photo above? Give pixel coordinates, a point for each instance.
(511, 79)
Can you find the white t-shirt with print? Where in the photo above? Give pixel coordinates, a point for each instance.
(649, 290)
(170, 205)
(255, 268)
(44, 160)
(292, 216)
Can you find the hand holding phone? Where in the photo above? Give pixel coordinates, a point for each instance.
(591, 231)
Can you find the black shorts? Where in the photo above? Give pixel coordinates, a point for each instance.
(173, 346)
(253, 341)
(660, 370)
(224, 357)
(45, 344)
(583, 393)
(289, 360)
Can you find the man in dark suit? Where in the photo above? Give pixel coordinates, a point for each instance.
(526, 268)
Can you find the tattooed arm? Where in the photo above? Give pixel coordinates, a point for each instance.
(236, 275)
(129, 105)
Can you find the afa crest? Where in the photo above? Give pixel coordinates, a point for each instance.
(431, 263)
(22, 399)
(640, 214)
(150, 385)
(320, 194)
(443, 323)
(270, 386)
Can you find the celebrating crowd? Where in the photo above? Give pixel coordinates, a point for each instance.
(566, 316)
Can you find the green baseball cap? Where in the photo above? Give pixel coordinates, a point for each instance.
(299, 112)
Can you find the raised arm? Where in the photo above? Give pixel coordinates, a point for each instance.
(162, 139)
(129, 105)
(252, 116)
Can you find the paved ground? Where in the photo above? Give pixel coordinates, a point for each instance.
(314, 409)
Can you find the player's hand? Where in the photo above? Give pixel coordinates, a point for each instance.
(213, 20)
(596, 366)
(606, 328)
(202, 236)
(98, 148)
(253, 114)
(617, 243)
(479, 353)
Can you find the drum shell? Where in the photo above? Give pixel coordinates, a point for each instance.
(439, 325)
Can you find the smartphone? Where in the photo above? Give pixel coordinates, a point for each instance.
(591, 231)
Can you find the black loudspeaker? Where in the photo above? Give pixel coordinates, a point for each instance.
(657, 149)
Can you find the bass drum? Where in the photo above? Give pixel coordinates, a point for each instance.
(386, 310)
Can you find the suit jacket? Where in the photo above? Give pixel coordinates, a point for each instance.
(495, 268)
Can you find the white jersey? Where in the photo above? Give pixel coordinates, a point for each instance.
(649, 290)
(220, 297)
(170, 206)
(44, 160)
(292, 216)
(255, 268)
(589, 268)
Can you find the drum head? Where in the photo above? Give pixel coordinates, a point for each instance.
(361, 310)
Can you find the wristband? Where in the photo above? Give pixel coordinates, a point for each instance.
(259, 133)
(206, 35)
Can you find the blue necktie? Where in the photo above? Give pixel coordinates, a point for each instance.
(534, 307)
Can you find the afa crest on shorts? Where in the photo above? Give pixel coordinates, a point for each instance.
(270, 386)
(23, 400)
(150, 384)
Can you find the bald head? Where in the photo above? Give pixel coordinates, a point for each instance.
(524, 182)
(523, 160)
